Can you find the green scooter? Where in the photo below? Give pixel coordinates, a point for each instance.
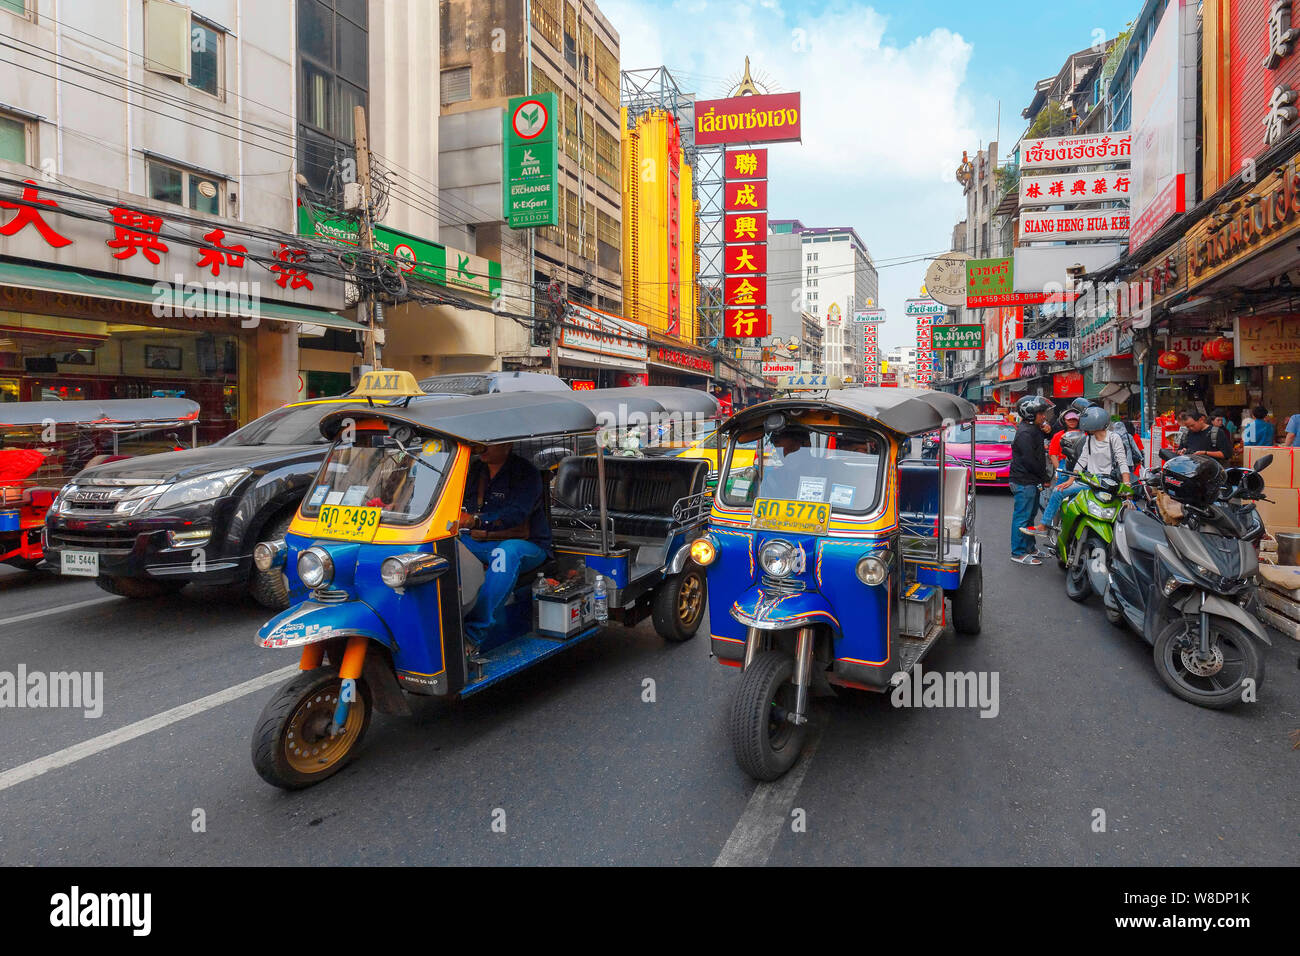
(1083, 545)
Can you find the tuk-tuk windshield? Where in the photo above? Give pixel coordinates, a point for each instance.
(404, 480)
(840, 468)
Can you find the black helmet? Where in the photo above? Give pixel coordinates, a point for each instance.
(1031, 405)
(1193, 480)
(1081, 405)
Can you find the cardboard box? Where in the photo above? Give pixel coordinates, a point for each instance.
(1282, 511)
(1281, 472)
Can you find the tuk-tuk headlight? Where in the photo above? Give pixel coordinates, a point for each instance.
(872, 571)
(269, 554)
(779, 559)
(704, 550)
(415, 567)
(315, 567)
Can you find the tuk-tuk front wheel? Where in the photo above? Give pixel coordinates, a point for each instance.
(295, 745)
(679, 605)
(765, 743)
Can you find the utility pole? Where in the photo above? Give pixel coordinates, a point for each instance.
(366, 237)
(556, 296)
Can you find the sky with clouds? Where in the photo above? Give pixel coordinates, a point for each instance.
(892, 92)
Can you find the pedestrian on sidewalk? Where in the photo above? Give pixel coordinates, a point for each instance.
(1028, 474)
(1259, 430)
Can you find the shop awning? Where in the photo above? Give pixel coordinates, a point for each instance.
(71, 282)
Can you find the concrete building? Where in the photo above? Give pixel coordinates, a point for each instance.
(573, 52)
(837, 275)
(163, 137)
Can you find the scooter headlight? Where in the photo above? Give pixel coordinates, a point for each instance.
(704, 551)
(872, 571)
(779, 559)
(1097, 511)
(315, 567)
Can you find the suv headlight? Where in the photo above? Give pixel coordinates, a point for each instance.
(205, 488)
(315, 567)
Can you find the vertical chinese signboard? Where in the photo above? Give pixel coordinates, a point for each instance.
(745, 253)
(531, 164)
(866, 326)
(926, 312)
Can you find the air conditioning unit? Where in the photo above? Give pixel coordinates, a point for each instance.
(1114, 371)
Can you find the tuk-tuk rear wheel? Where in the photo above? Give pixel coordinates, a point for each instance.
(679, 605)
(292, 745)
(968, 601)
(766, 745)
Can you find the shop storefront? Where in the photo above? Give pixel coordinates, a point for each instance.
(99, 301)
(599, 350)
(678, 365)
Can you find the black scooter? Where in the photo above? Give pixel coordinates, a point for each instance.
(1191, 588)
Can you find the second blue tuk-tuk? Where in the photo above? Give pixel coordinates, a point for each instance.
(381, 578)
(830, 556)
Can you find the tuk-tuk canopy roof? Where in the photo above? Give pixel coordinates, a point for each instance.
(512, 416)
(108, 413)
(907, 411)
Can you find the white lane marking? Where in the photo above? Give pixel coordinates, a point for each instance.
(754, 837)
(57, 609)
(94, 745)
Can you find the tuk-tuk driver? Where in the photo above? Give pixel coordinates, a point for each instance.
(504, 525)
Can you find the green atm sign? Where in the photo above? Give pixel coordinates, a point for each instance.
(532, 161)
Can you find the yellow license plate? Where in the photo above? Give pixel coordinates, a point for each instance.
(348, 522)
(986, 476)
(797, 517)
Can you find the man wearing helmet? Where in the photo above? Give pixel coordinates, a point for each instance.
(1028, 475)
(1103, 453)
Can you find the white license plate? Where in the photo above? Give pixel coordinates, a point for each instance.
(83, 564)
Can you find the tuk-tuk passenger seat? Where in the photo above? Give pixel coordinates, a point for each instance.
(640, 493)
(918, 497)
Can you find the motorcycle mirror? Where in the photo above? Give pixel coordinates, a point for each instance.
(1168, 453)
(1263, 463)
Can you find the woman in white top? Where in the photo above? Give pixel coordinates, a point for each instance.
(1103, 454)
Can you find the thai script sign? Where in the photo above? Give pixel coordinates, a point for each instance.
(1214, 245)
(770, 118)
(946, 337)
(1042, 350)
(1076, 150)
(531, 165)
(1266, 339)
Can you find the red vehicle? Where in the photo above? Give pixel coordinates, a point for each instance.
(42, 444)
(993, 436)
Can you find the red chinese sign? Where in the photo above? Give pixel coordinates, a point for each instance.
(748, 258)
(745, 227)
(746, 164)
(745, 253)
(696, 363)
(29, 215)
(742, 196)
(770, 118)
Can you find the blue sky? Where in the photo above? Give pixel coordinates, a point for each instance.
(892, 93)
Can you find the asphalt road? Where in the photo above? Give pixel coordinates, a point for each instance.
(582, 770)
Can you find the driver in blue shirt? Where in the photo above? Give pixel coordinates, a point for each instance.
(504, 525)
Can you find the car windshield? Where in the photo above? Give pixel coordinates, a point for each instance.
(401, 480)
(831, 466)
(290, 425)
(986, 433)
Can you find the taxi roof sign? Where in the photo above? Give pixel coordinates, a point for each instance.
(386, 383)
(806, 381)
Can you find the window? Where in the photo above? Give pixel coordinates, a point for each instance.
(206, 45)
(17, 7)
(333, 79)
(456, 85)
(15, 139)
(184, 187)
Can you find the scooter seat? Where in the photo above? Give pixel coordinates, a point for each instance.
(1143, 532)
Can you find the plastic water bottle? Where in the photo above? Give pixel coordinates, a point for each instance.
(540, 586)
(601, 599)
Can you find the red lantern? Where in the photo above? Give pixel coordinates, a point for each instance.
(1218, 350)
(1173, 361)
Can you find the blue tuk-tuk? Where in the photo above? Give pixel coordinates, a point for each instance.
(381, 578)
(830, 556)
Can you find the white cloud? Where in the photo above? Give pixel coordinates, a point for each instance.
(883, 124)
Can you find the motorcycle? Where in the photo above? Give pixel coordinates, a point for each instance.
(1189, 589)
(1083, 545)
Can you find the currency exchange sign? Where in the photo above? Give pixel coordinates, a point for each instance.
(532, 161)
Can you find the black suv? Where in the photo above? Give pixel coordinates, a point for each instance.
(146, 526)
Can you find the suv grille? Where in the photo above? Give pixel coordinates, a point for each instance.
(99, 540)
